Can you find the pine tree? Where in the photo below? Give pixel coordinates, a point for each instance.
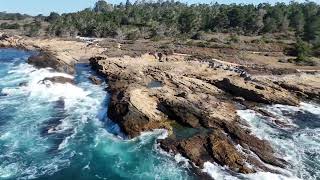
(102, 6)
(297, 21)
(128, 4)
(312, 29)
(303, 51)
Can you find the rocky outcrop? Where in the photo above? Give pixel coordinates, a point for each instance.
(200, 100)
(302, 91)
(95, 80)
(304, 85)
(57, 79)
(196, 101)
(60, 54)
(47, 59)
(256, 92)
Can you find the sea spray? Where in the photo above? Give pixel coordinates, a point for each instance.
(60, 131)
(299, 145)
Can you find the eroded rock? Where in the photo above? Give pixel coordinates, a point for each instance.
(48, 60)
(197, 97)
(256, 92)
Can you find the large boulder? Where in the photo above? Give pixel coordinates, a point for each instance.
(48, 60)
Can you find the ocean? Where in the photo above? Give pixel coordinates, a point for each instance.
(62, 132)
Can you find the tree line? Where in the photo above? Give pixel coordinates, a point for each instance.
(169, 18)
(145, 19)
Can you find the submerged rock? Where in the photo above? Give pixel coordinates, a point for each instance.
(23, 84)
(3, 94)
(58, 79)
(95, 80)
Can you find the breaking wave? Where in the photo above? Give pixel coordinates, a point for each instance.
(296, 139)
(61, 131)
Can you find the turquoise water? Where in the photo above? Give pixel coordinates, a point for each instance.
(60, 131)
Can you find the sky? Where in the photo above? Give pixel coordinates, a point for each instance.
(35, 7)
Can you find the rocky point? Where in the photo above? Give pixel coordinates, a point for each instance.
(195, 96)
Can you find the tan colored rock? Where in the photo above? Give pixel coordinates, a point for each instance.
(256, 92)
(192, 95)
(195, 96)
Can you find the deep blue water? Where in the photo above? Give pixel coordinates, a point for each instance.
(60, 131)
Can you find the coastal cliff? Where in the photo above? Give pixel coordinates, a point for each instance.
(198, 104)
(195, 101)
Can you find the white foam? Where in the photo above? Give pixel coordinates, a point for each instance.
(221, 173)
(295, 146)
(269, 176)
(5, 135)
(217, 172)
(309, 107)
(184, 162)
(164, 134)
(312, 108)
(8, 170)
(22, 69)
(80, 105)
(46, 90)
(145, 136)
(87, 166)
(64, 143)
(10, 91)
(258, 127)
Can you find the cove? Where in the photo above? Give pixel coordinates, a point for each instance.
(61, 131)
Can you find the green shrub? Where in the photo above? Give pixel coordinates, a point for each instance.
(200, 35)
(303, 51)
(233, 38)
(133, 35)
(266, 39)
(9, 26)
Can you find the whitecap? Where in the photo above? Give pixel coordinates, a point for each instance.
(223, 173)
(268, 176)
(300, 147)
(64, 143)
(182, 161)
(217, 172)
(312, 108)
(9, 170)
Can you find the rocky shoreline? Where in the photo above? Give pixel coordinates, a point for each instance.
(195, 97)
(202, 106)
(196, 101)
(59, 54)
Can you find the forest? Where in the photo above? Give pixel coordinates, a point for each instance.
(162, 19)
(170, 18)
